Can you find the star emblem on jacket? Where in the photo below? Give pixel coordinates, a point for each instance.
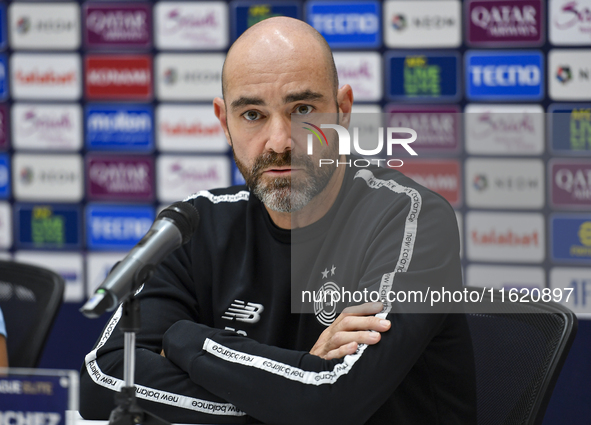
(325, 309)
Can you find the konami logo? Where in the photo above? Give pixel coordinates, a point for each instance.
(442, 177)
(116, 77)
(510, 237)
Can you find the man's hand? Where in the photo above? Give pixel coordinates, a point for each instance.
(354, 326)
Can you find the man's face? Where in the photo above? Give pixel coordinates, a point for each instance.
(260, 98)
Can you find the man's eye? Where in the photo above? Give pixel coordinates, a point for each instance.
(303, 109)
(251, 115)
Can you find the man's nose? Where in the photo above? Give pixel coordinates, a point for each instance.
(279, 135)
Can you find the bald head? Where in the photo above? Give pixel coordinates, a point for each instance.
(275, 40)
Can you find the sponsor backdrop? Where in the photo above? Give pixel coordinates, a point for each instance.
(105, 117)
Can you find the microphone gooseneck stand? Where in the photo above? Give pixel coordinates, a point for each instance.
(173, 228)
(126, 411)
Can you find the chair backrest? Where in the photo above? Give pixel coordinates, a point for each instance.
(30, 297)
(519, 350)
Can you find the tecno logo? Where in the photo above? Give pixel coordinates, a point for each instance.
(346, 23)
(496, 75)
(505, 75)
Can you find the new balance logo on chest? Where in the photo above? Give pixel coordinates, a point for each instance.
(244, 312)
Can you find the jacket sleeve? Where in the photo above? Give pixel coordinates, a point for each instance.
(280, 386)
(161, 387)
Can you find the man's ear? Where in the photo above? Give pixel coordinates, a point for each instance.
(219, 109)
(345, 102)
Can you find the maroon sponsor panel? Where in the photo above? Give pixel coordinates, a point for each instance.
(570, 183)
(505, 22)
(120, 178)
(442, 177)
(119, 77)
(438, 128)
(4, 126)
(117, 25)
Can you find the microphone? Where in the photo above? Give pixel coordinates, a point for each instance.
(173, 227)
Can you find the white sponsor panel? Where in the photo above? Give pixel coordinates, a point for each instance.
(45, 76)
(504, 129)
(190, 77)
(180, 176)
(5, 225)
(367, 119)
(363, 72)
(420, 24)
(47, 126)
(569, 22)
(505, 237)
(191, 25)
(505, 277)
(569, 74)
(189, 128)
(48, 177)
(565, 279)
(98, 266)
(5, 255)
(68, 265)
(51, 26)
(504, 183)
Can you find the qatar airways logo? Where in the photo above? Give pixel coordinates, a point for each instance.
(571, 183)
(505, 22)
(116, 25)
(33, 122)
(124, 178)
(344, 143)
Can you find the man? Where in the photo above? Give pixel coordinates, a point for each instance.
(218, 342)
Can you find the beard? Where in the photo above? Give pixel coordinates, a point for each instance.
(285, 194)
